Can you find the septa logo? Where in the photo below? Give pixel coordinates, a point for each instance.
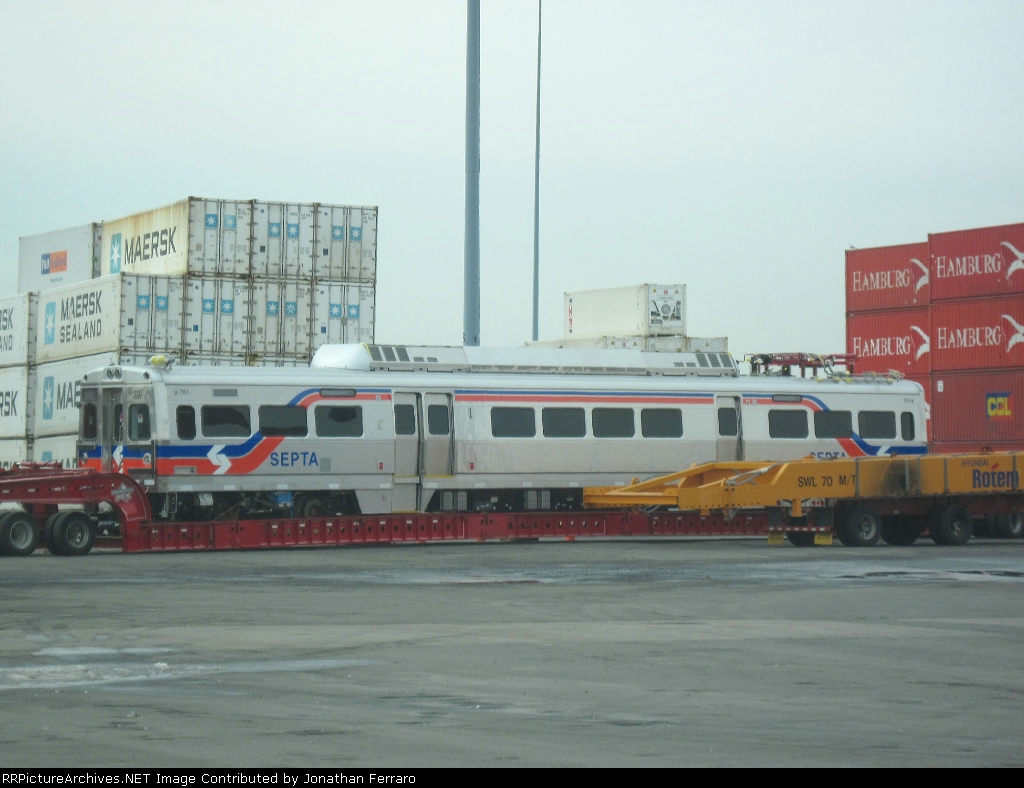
(999, 405)
(115, 253)
(53, 263)
(50, 323)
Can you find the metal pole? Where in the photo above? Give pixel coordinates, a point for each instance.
(471, 302)
(536, 194)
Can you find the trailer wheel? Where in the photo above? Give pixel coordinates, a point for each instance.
(800, 538)
(310, 506)
(861, 528)
(75, 533)
(953, 526)
(900, 531)
(1011, 526)
(19, 534)
(50, 535)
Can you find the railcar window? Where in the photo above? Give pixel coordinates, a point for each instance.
(138, 423)
(513, 423)
(728, 424)
(613, 422)
(339, 422)
(438, 420)
(283, 420)
(661, 423)
(185, 417)
(564, 422)
(713, 358)
(907, 426)
(118, 423)
(877, 424)
(226, 421)
(833, 424)
(405, 420)
(787, 423)
(89, 422)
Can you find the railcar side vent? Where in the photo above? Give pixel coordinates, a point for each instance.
(524, 360)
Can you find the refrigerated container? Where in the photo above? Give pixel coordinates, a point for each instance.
(978, 333)
(887, 277)
(56, 393)
(343, 313)
(56, 448)
(987, 261)
(978, 406)
(17, 329)
(217, 312)
(897, 340)
(242, 238)
(16, 401)
(282, 314)
(60, 257)
(664, 344)
(638, 310)
(13, 450)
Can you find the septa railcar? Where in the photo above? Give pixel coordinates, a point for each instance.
(377, 429)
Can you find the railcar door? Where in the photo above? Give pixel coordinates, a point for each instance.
(111, 428)
(437, 442)
(408, 428)
(730, 429)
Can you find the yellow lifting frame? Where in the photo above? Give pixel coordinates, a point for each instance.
(727, 486)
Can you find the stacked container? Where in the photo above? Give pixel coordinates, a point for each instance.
(948, 314)
(17, 376)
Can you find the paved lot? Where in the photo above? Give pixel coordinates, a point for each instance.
(592, 654)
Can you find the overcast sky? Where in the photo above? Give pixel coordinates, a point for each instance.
(738, 147)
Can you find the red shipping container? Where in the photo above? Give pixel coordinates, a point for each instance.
(974, 448)
(887, 277)
(972, 263)
(979, 334)
(896, 340)
(978, 407)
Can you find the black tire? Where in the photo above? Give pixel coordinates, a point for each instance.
(900, 531)
(19, 534)
(310, 506)
(861, 528)
(1011, 526)
(49, 532)
(75, 533)
(801, 538)
(954, 526)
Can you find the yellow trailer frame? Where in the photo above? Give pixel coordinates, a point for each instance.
(940, 493)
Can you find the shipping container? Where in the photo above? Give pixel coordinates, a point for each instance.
(237, 239)
(978, 334)
(18, 330)
(60, 257)
(988, 261)
(282, 316)
(925, 382)
(217, 312)
(665, 344)
(56, 393)
(343, 313)
(887, 277)
(638, 310)
(978, 406)
(56, 448)
(15, 401)
(203, 360)
(973, 447)
(121, 312)
(896, 340)
(13, 450)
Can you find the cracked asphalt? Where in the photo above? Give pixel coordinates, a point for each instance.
(592, 653)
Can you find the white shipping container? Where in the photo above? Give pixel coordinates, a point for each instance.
(17, 329)
(15, 401)
(60, 257)
(666, 344)
(232, 238)
(56, 448)
(639, 310)
(342, 314)
(217, 315)
(13, 450)
(201, 360)
(692, 344)
(282, 319)
(56, 393)
(106, 314)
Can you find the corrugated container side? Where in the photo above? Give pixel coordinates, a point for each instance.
(18, 329)
(978, 334)
(217, 312)
(12, 451)
(57, 258)
(887, 277)
(163, 297)
(975, 448)
(342, 313)
(283, 240)
(978, 406)
(56, 448)
(80, 320)
(346, 243)
(56, 393)
(150, 242)
(282, 319)
(640, 310)
(15, 401)
(988, 261)
(219, 237)
(896, 340)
